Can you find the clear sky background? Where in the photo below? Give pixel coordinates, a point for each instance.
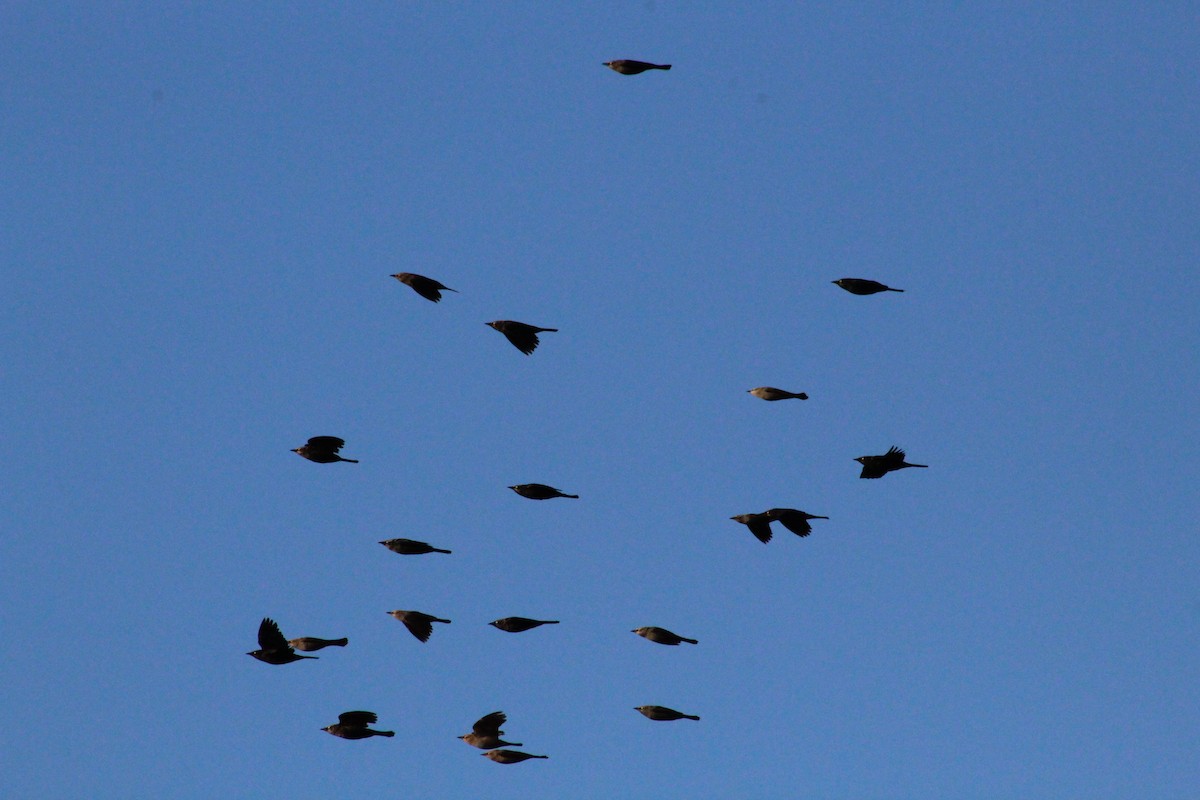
(201, 205)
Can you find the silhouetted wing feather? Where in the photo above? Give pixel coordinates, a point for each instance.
(270, 637)
(489, 725)
(358, 718)
(327, 444)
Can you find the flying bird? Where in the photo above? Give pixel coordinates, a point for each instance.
(353, 725)
(662, 635)
(759, 525)
(410, 547)
(523, 337)
(323, 450)
(419, 624)
(311, 643)
(771, 393)
(539, 491)
(663, 714)
(627, 66)
(426, 287)
(863, 286)
(878, 466)
(485, 733)
(273, 647)
(793, 519)
(509, 756)
(520, 624)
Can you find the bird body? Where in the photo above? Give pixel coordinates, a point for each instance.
(418, 623)
(523, 337)
(793, 519)
(311, 643)
(662, 636)
(878, 466)
(485, 733)
(323, 450)
(863, 286)
(509, 756)
(520, 624)
(771, 393)
(539, 491)
(426, 287)
(627, 66)
(663, 714)
(273, 647)
(353, 725)
(410, 547)
(759, 525)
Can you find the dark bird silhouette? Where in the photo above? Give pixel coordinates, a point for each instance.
(771, 393)
(273, 647)
(523, 337)
(418, 624)
(410, 547)
(426, 287)
(878, 466)
(485, 733)
(794, 520)
(759, 525)
(323, 450)
(662, 635)
(509, 756)
(539, 491)
(520, 624)
(311, 643)
(863, 286)
(627, 66)
(663, 714)
(353, 725)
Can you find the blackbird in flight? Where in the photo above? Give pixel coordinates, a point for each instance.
(523, 337)
(311, 643)
(794, 520)
(520, 624)
(663, 714)
(771, 393)
(353, 725)
(863, 286)
(539, 491)
(485, 733)
(627, 66)
(878, 466)
(273, 648)
(426, 287)
(410, 547)
(323, 450)
(662, 635)
(419, 624)
(509, 756)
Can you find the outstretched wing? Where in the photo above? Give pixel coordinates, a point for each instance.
(358, 718)
(524, 340)
(270, 637)
(489, 725)
(326, 444)
(419, 626)
(793, 520)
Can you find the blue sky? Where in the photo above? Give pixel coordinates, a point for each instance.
(202, 204)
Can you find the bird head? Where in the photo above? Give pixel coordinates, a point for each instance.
(861, 459)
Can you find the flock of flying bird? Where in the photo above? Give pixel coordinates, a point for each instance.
(275, 648)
